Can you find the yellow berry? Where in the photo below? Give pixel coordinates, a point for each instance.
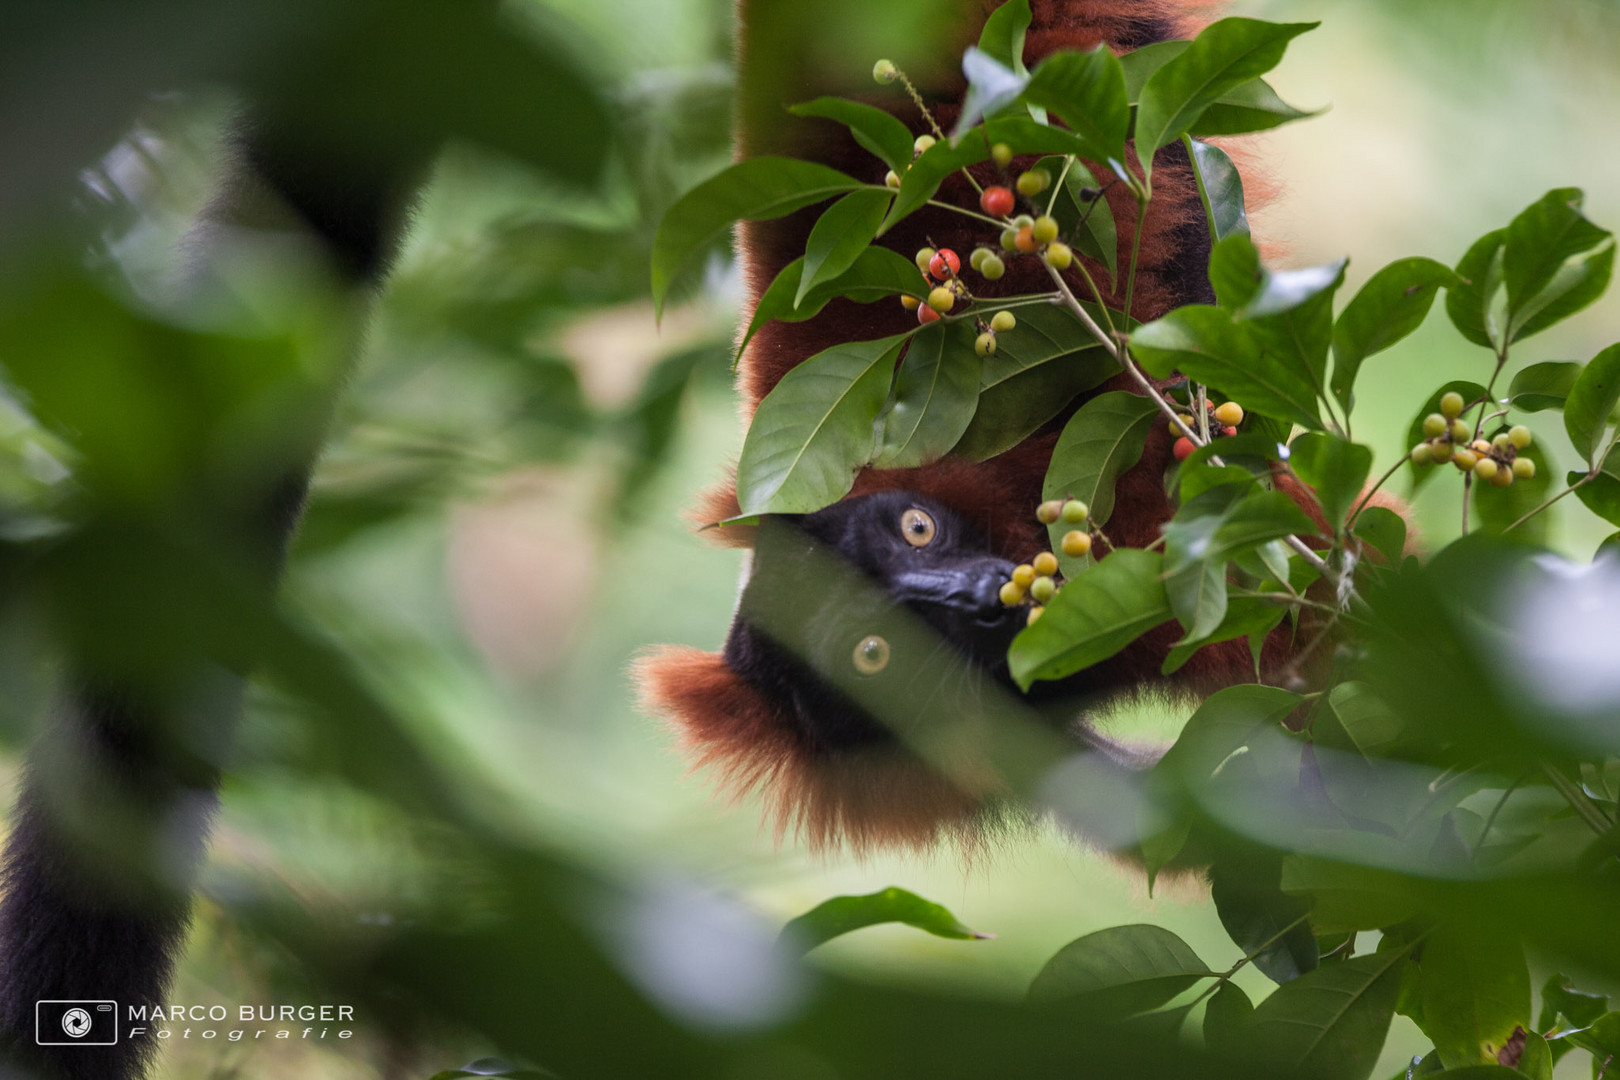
(1500, 443)
(1460, 432)
(1481, 446)
(922, 143)
(1451, 405)
(992, 268)
(1003, 321)
(1422, 454)
(1034, 182)
(1048, 512)
(1001, 154)
(892, 179)
(910, 303)
(1465, 458)
(1441, 451)
(1011, 594)
(1045, 229)
(1434, 424)
(985, 344)
(1045, 564)
(942, 299)
(1058, 256)
(1075, 512)
(1034, 613)
(1076, 543)
(1023, 575)
(1041, 589)
(1520, 436)
(1501, 478)
(1524, 468)
(884, 71)
(923, 257)
(1486, 468)
(1229, 413)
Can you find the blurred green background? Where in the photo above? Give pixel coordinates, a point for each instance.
(488, 541)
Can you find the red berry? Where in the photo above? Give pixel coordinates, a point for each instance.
(1229, 431)
(996, 201)
(944, 264)
(926, 314)
(1183, 448)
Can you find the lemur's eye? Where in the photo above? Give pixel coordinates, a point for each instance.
(917, 527)
(871, 655)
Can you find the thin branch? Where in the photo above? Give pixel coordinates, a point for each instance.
(1589, 476)
(1350, 523)
(1594, 818)
(997, 222)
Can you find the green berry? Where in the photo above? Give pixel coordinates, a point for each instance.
(1501, 478)
(922, 143)
(1451, 405)
(884, 71)
(1520, 436)
(1441, 451)
(992, 268)
(1033, 182)
(1045, 229)
(1434, 425)
(1003, 321)
(1524, 468)
(1500, 443)
(1075, 512)
(1486, 468)
(892, 180)
(923, 257)
(985, 344)
(1422, 454)
(1465, 458)
(1009, 239)
(1461, 432)
(1001, 154)
(942, 299)
(1041, 589)
(1058, 256)
(980, 254)
(1023, 221)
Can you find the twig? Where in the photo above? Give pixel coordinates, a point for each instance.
(1578, 801)
(1589, 476)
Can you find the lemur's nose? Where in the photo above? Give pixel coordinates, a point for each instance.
(972, 586)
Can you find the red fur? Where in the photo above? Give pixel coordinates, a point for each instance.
(890, 798)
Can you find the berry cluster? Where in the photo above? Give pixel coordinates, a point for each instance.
(1449, 438)
(1036, 580)
(1223, 420)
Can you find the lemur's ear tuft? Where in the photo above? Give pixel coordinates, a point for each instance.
(864, 800)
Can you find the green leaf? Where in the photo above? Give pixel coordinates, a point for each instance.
(1220, 190)
(1335, 469)
(815, 428)
(1246, 523)
(1392, 304)
(1235, 272)
(1601, 1040)
(1536, 1059)
(1471, 392)
(1601, 494)
(1089, 225)
(1086, 90)
(1118, 972)
(935, 395)
(1291, 316)
(1197, 595)
(1225, 721)
(1002, 38)
(1385, 530)
(842, 914)
(1260, 918)
(1225, 1018)
(1247, 107)
(1543, 386)
(1577, 284)
(1471, 304)
(1497, 508)
(1591, 403)
(1204, 344)
(1476, 990)
(873, 128)
(1372, 725)
(1559, 997)
(1103, 439)
(840, 234)
(1347, 897)
(1540, 240)
(1225, 55)
(753, 190)
(876, 274)
(1038, 368)
(1331, 1024)
(1245, 617)
(1093, 617)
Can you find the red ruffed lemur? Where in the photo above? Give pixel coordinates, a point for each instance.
(810, 702)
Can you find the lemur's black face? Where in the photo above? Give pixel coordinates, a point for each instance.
(877, 611)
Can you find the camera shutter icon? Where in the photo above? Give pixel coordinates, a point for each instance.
(76, 1022)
